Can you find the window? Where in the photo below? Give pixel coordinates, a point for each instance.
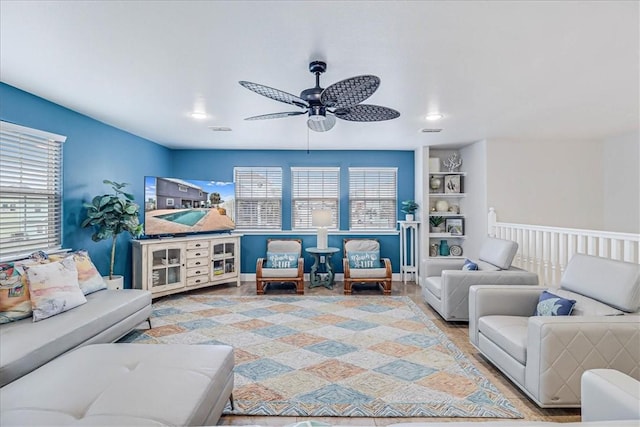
(258, 197)
(372, 198)
(30, 190)
(314, 188)
(183, 188)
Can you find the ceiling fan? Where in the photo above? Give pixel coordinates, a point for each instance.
(342, 100)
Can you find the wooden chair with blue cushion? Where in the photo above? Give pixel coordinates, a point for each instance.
(283, 264)
(362, 264)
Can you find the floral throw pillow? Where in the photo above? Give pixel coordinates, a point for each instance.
(89, 278)
(54, 288)
(15, 303)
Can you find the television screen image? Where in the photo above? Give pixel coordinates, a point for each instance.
(178, 206)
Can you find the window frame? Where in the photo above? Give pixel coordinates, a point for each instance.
(388, 198)
(271, 174)
(31, 174)
(319, 199)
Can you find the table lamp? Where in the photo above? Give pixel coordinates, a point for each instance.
(322, 219)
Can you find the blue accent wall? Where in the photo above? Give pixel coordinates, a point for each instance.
(218, 165)
(94, 151)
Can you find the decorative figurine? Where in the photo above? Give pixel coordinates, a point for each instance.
(453, 162)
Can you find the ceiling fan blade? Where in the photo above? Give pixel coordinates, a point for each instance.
(327, 123)
(349, 92)
(366, 113)
(275, 94)
(276, 115)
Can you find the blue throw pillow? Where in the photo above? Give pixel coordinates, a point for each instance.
(282, 260)
(553, 305)
(367, 259)
(469, 265)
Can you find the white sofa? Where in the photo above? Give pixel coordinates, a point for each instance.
(546, 355)
(106, 316)
(446, 286)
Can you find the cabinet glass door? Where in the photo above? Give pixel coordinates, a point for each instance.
(223, 259)
(166, 267)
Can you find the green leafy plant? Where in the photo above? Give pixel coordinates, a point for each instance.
(436, 221)
(409, 207)
(112, 214)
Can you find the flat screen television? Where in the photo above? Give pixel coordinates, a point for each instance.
(175, 206)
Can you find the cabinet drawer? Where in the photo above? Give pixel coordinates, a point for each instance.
(197, 271)
(198, 245)
(197, 280)
(197, 262)
(197, 253)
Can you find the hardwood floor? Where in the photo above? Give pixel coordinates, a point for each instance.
(457, 332)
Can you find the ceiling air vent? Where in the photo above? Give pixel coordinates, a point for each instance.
(220, 128)
(431, 130)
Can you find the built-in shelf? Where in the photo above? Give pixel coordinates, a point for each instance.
(448, 173)
(447, 214)
(452, 195)
(446, 236)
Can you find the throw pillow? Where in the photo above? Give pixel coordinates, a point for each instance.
(282, 260)
(469, 265)
(367, 259)
(54, 288)
(89, 278)
(552, 305)
(15, 303)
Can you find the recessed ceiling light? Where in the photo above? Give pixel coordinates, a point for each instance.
(199, 115)
(220, 128)
(433, 117)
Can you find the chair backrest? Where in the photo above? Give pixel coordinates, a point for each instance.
(285, 246)
(498, 252)
(615, 283)
(360, 245)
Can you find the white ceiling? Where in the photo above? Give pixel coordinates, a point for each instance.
(525, 70)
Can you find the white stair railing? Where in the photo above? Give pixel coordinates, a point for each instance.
(546, 250)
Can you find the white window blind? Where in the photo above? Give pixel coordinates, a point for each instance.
(30, 190)
(372, 198)
(314, 188)
(258, 197)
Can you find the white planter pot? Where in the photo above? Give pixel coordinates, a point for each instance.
(117, 283)
(409, 217)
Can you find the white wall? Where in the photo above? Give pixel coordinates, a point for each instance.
(554, 183)
(474, 157)
(621, 163)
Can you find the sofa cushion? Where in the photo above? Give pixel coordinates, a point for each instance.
(612, 282)
(54, 288)
(485, 266)
(15, 303)
(279, 272)
(25, 345)
(89, 278)
(368, 273)
(507, 332)
(498, 252)
(586, 306)
(434, 285)
(553, 305)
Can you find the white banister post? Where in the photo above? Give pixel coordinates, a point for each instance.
(491, 222)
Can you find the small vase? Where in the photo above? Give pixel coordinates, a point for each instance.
(435, 182)
(433, 250)
(444, 248)
(442, 206)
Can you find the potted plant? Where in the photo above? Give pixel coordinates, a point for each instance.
(436, 223)
(110, 215)
(409, 207)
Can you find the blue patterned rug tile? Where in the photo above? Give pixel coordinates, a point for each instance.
(374, 308)
(335, 393)
(331, 348)
(198, 324)
(262, 369)
(275, 331)
(356, 325)
(258, 313)
(404, 370)
(418, 340)
(159, 312)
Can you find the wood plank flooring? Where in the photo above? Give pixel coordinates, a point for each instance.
(456, 331)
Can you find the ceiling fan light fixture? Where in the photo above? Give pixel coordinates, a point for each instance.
(199, 115)
(432, 117)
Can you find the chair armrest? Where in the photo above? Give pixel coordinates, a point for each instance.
(259, 265)
(345, 268)
(387, 266)
(435, 267)
(561, 348)
(609, 395)
(487, 300)
(300, 267)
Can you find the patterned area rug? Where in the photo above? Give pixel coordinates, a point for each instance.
(331, 356)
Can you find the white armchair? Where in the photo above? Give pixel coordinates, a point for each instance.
(546, 355)
(446, 286)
